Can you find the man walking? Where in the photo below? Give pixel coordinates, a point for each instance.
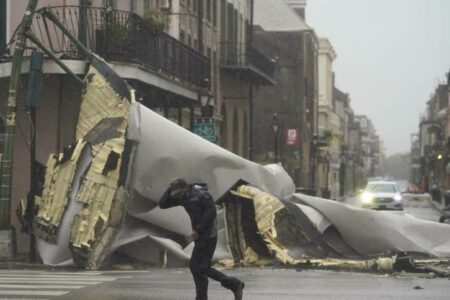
(201, 209)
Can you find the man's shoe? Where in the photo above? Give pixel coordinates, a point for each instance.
(239, 291)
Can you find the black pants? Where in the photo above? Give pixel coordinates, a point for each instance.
(201, 269)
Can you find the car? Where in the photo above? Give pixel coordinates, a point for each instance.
(382, 195)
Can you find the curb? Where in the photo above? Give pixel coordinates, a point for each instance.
(437, 207)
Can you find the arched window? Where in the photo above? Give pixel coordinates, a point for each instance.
(235, 132)
(245, 148)
(223, 127)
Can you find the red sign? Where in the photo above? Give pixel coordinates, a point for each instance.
(291, 136)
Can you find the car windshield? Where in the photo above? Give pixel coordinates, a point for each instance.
(381, 188)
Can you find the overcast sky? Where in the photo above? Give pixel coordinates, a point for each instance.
(390, 56)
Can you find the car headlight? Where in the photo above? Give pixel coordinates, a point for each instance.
(367, 197)
(398, 197)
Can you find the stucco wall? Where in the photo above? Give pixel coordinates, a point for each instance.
(59, 105)
(289, 99)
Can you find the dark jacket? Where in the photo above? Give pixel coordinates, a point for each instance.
(200, 207)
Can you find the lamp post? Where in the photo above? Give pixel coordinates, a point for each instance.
(275, 127)
(326, 192)
(342, 171)
(314, 146)
(205, 97)
(204, 126)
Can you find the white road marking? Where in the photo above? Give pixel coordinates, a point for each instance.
(24, 299)
(39, 286)
(43, 281)
(32, 293)
(51, 276)
(46, 283)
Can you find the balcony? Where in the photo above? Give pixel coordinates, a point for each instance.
(239, 59)
(123, 37)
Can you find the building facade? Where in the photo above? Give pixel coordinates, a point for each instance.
(371, 147)
(137, 38)
(430, 153)
(286, 113)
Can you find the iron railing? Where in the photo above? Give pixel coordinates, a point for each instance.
(242, 54)
(121, 36)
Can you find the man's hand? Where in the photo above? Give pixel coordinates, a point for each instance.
(194, 235)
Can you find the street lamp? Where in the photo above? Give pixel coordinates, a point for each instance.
(342, 170)
(275, 127)
(326, 192)
(205, 97)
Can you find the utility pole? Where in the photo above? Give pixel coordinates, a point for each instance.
(250, 85)
(7, 165)
(35, 83)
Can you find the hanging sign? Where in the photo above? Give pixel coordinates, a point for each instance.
(292, 136)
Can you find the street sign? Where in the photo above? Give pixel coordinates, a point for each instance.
(205, 128)
(292, 136)
(35, 79)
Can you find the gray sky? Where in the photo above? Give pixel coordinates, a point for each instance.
(391, 54)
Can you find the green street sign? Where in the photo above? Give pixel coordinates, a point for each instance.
(205, 129)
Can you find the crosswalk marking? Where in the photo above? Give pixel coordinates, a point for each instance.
(47, 284)
(32, 293)
(43, 281)
(39, 286)
(15, 298)
(53, 277)
(34, 272)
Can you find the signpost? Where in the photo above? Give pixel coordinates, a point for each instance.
(204, 127)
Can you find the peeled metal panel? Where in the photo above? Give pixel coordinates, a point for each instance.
(103, 196)
(373, 233)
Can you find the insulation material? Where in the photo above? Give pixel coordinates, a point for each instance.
(55, 196)
(98, 191)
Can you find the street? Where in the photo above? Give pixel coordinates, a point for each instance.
(264, 283)
(177, 284)
(417, 205)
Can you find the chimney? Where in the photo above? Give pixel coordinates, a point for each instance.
(299, 6)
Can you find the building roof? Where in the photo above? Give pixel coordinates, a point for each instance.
(276, 15)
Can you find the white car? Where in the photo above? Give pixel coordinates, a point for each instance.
(382, 195)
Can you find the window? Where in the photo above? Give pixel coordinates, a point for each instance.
(147, 4)
(382, 188)
(363, 123)
(2, 26)
(182, 36)
(195, 5)
(245, 145)
(214, 13)
(223, 128)
(235, 132)
(133, 6)
(208, 10)
(109, 3)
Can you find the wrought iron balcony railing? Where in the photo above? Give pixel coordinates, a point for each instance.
(243, 57)
(122, 36)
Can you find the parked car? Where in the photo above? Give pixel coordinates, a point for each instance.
(381, 195)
